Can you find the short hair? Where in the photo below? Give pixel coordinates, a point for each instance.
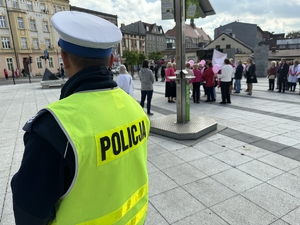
(173, 64)
(283, 59)
(209, 64)
(122, 69)
(227, 61)
(187, 65)
(274, 62)
(169, 65)
(82, 62)
(195, 65)
(145, 64)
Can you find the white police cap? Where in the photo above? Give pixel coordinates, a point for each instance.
(85, 35)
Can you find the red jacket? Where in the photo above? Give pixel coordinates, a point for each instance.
(169, 72)
(209, 77)
(198, 76)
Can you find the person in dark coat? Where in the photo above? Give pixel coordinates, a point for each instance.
(156, 72)
(238, 76)
(163, 73)
(283, 74)
(250, 75)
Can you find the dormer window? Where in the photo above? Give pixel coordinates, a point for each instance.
(147, 28)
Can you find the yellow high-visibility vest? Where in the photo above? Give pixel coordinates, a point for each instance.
(108, 131)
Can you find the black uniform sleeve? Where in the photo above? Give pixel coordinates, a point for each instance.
(44, 174)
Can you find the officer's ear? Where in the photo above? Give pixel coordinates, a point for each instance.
(65, 59)
(111, 60)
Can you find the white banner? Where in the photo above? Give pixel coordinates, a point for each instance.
(218, 58)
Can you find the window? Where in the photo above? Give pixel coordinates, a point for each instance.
(39, 63)
(50, 62)
(9, 63)
(228, 46)
(24, 43)
(32, 25)
(29, 5)
(5, 43)
(54, 10)
(20, 23)
(147, 28)
(48, 43)
(58, 8)
(43, 8)
(2, 22)
(217, 46)
(35, 43)
(15, 3)
(1, 2)
(45, 26)
(223, 39)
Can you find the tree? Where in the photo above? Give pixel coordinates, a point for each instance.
(141, 57)
(155, 55)
(293, 34)
(131, 58)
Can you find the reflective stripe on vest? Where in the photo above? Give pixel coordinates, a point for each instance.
(108, 132)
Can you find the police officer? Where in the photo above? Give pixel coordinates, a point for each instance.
(85, 155)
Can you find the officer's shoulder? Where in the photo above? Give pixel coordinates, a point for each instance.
(41, 115)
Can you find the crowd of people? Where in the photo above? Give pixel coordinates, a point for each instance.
(14, 73)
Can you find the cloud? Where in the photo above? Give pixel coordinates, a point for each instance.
(279, 17)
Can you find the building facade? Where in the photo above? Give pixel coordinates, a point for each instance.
(143, 37)
(250, 34)
(26, 31)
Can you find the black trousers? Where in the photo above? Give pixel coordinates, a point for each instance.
(225, 91)
(282, 84)
(149, 98)
(196, 91)
(271, 84)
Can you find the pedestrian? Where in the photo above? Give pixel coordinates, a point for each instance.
(170, 88)
(232, 75)
(23, 73)
(147, 80)
(196, 83)
(5, 74)
(174, 66)
(209, 78)
(156, 72)
(85, 155)
(272, 75)
(162, 72)
(292, 79)
(226, 81)
(283, 75)
(125, 81)
(238, 76)
(251, 75)
(62, 71)
(17, 73)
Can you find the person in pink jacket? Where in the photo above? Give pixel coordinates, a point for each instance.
(170, 91)
(196, 83)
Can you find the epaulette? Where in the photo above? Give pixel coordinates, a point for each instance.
(28, 125)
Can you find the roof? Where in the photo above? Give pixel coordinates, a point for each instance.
(140, 28)
(290, 41)
(235, 39)
(289, 53)
(190, 32)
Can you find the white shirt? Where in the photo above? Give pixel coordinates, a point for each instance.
(226, 73)
(125, 82)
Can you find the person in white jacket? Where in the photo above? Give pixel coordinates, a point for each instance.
(226, 81)
(124, 81)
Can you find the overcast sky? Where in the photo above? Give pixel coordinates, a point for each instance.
(279, 17)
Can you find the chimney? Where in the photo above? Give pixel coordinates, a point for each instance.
(192, 23)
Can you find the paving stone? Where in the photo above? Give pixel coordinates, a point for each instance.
(284, 140)
(189, 154)
(153, 217)
(232, 158)
(229, 142)
(209, 165)
(208, 191)
(279, 222)
(159, 183)
(210, 148)
(240, 211)
(280, 162)
(151, 167)
(165, 160)
(291, 152)
(184, 174)
(260, 170)
(205, 217)
(236, 180)
(229, 132)
(288, 183)
(244, 137)
(176, 204)
(171, 145)
(155, 149)
(269, 145)
(272, 199)
(252, 151)
(295, 171)
(293, 217)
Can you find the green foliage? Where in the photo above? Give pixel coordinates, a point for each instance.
(141, 58)
(293, 34)
(131, 57)
(155, 55)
